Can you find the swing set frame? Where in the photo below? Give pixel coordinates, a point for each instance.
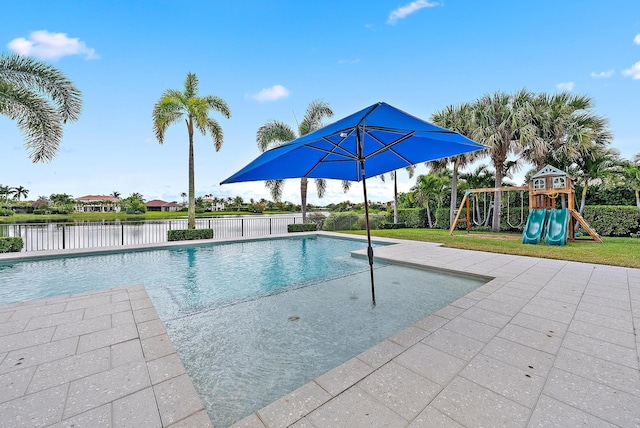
(544, 189)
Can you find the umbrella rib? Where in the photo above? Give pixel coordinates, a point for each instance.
(329, 152)
(389, 146)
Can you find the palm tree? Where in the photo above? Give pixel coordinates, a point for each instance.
(173, 107)
(410, 170)
(4, 193)
(115, 194)
(566, 128)
(632, 176)
(41, 99)
(274, 133)
(458, 118)
(18, 192)
(184, 195)
(429, 187)
(503, 123)
(238, 201)
(594, 165)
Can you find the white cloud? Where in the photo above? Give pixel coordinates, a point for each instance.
(406, 10)
(602, 74)
(566, 86)
(349, 61)
(271, 94)
(634, 71)
(636, 39)
(50, 46)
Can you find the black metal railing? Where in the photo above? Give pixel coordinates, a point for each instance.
(90, 234)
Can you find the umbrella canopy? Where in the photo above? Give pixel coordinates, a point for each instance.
(378, 139)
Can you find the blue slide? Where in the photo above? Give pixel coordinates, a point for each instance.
(534, 227)
(557, 227)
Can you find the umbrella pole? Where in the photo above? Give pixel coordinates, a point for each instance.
(369, 247)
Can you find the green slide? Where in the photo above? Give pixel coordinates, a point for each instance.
(534, 227)
(557, 227)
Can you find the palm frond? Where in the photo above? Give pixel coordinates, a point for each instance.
(37, 119)
(275, 188)
(218, 104)
(313, 116)
(166, 112)
(321, 187)
(215, 130)
(42, 77)
(272, 134)
(191, 86)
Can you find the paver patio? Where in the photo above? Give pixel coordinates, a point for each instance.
(545, 343)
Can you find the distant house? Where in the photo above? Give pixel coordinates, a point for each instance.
(97, 203)
(160, 205)
(213, 204)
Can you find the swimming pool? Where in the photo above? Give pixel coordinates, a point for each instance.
(254, 320)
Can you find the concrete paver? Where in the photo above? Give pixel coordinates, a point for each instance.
(544, 343)
(78, 361)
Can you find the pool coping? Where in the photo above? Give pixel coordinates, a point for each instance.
(447, 368)
(101, 358)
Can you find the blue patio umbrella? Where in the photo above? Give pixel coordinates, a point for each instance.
(378, 139)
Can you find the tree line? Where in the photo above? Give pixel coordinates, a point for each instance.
(520, 128)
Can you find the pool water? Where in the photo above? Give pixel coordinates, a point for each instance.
(253, 321)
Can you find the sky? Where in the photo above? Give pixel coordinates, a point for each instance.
(270, 59)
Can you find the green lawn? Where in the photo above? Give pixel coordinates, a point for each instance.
(613, 251)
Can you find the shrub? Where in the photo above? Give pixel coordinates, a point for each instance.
(304, 227)
(442, 218)
(385, 225)
(340, 221)
(612, 220)
(5, 212)
(412, 217)
(11, 245)
(374, 221)
(317, 218)
(189, 234)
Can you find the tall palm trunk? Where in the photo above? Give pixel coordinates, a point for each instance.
(638, 201)
(454, 190)
(303, 198)
(497, 200)
(395, 198)
(191, 222)
(583, 199)
(429, 216)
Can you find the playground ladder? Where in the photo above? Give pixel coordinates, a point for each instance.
(576, 215)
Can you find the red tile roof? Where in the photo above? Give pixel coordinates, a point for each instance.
(161, 203)
(92, 198)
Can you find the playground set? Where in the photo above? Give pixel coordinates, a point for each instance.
(545, 220)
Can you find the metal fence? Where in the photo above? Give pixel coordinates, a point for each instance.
(61, 236)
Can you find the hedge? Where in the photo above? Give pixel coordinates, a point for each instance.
(386, 225)
(612, 220)
(5, 212)
(352, 221)
(341, 221)
(303, 227)
(11, 245)
(189, 234)
(412, 217)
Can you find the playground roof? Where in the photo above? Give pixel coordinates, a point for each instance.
(549, 170)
